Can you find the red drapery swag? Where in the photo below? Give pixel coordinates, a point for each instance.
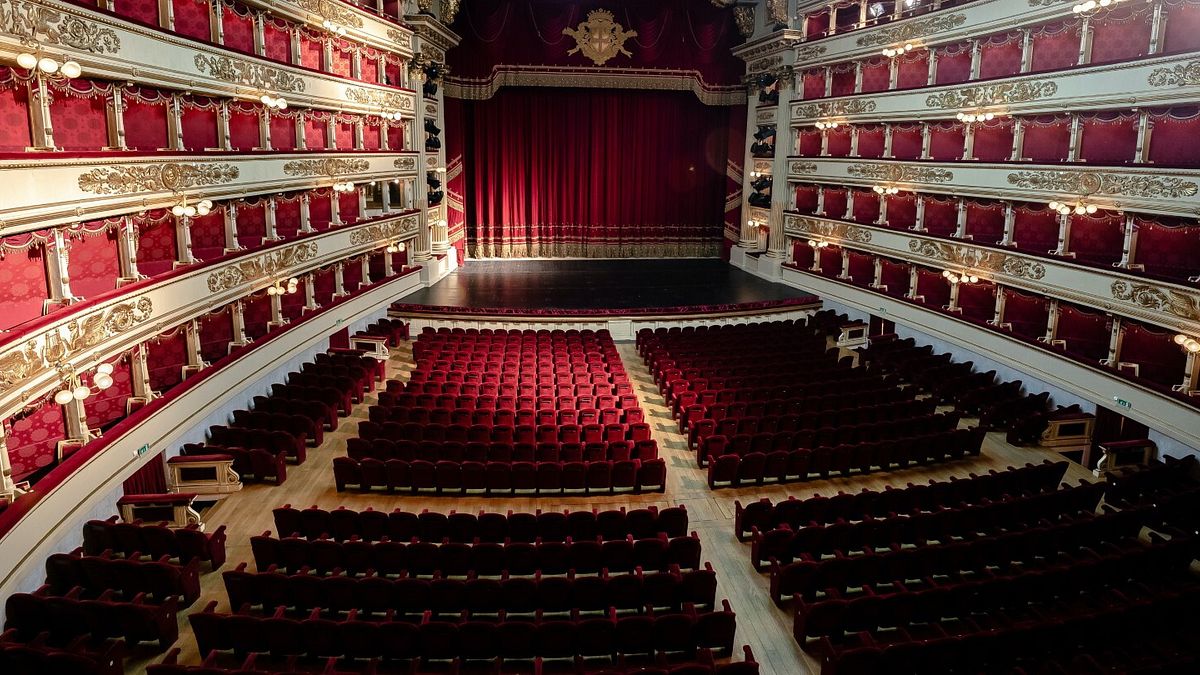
(589, 173)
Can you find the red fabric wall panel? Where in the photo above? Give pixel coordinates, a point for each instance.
(802, 254)
(901, 211)
(310, 51)
(1175, 138)
(817, 23)
(934, 287)
(1158, 359)
(93, 264)
(287, 217)
(1086, 332)
(32, 439)
(208, 235)
(977, 301)
(809, 143)
(237, 23)
(199, 128)
(862, 268)
(216, 332)
(831, 261)
(875, 74)
(292, 304)
(953, 64)
(814, 83)
(993, 140)
(15, 135)
(341, 60)
(369, 69)
(277, 40)
(985, 222)
(870, 142)
(1000, 56)
(256, 312)
(251, 224)
(896, 277)
(315, 133)
(1035, 229)
(946, 141)
(371, 140)
(912, 69)
(283, 132)
(137, 10)
(352, 276)
(1097, 238)
(150, 479)
(345, 135)
(1108, 138)
(839, 141)
(843, 81)
(145, 125)
(243, 126)
(165, 357)
(941, 216)
(906, 141)
(395, 134)
(191, 19)
(156, 252)
(320, 209)
(835, 202)
(1168, 249)
(348, 206)
(23, 288)
(1055, 46)
(806, 198)
(1121, 34)
(1028, 314)
(1047, 138)
(108, 406)
(1182, 32)
(323, 286)
(79, 123)
(866, 206)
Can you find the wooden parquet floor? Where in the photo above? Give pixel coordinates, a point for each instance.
(766, 628)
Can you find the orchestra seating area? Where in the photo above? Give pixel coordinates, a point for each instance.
(506, 413)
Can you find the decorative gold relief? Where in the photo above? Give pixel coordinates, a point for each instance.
(911, 30)
(430, 109)
(809, 52)
(384, 231)
(236, 71)
(401, 38)
(992, 94)
(777, 10)
(801, 167)
(332, 10)
(449, 11)
(1160, 299)
(806, 227)
(856, 106)
(405, 163)
(978, 259)
(390, 100)
(765, 63)
(600, 38)
(69, 340)
(269, 264)
(1187, 74)
(325, 167)
(743, 16)
(1088, 183)
(49, 26)
(172, 176)
(901, 173)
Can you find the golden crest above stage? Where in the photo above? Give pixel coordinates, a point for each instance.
(600, 38)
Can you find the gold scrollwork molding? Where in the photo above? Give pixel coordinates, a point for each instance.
(1088, 183)
(261, 267)
(807, 227)
(171, 176)
(765, 64)
(992, 94)
(827, 108)
(400, 37)
(802, 167)
(430, 109)
(1184, 74)
(384, 231)
(332, 10)
(379, 99)
(65, 342)
(1159, 299)
(810, 52)
(236, 71)
(31, 21)
(901, 173)
(978, 259)
(405, 163)
(325, 167)
(743, 16)
(765, 116)
(911, 30)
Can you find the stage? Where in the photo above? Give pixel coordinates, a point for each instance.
(599, 285)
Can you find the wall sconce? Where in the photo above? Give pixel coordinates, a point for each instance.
(827, 125)
(968, 118)
(881, 190)
(1188, 344)
(45, 66)
(818, 244)
(1079, 208)
(184, 210)
(278, 287)
(274, 102)
(333, 27)
(390, 115)
(395, 247)
(74, 390)
(893, 52)
(1092, 5)
(343, 187)
(961, 278)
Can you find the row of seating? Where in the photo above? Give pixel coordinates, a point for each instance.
(506, 453)
(467, 415)
(501, 478)
(158, 579)
(410, 558)
(250, 464)
(674, 381)
(300, 428)
(899, 407)
(331, 398)
(594, 432)
(678, 634)
(394, 331)
(505, 405)
(181, 544)
(781, 466)
(465, 527)
(407, 598)
(852, 506)
(69, 616)
(74, 658)
(771, 387)
(581, 391)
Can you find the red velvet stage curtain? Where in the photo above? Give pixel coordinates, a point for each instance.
(895, 276)
(870, 141)
(323, 286)
(151, 479)
(1108, 137)
(866, 207)
(831, 261)
(1159, 360)
(941, 215)
(993, 140)
(348, 206)
(839, 141)
(835, 202)
(166, 355)
(237, 23)
(137, 10)
(1035, 228)
(23, 288)
(287, 214)
(906, 141)
(1121, 34)
(1175, 137)
(946, 141)
(208, 234)
(283, 130)
(934, 287)
(199, 123)
(734, 151)
(953, 63)
(1086, 332)
(216, 332)
(1047, 138)
(1000, 55)
(842, 78)
(108, 406)
(977, 301)
(1055, 46)
(252, 222)
(145, 112)
(320, 208)
(1182, 32)
(156, 246)
(809, 142)
(310, 50)
(15, 135)
(93, 265)
(32, 438)
(901, 211)
(340, 65)
(985, 221)
(256, 312)
(79, 112)
(593, 173)
(1168, 247)
(1097, 238)
(912, 69)
(806, 198)
(315, 125)
(277, 40)
(243, 125)
(862, 268)
(814, 83)
(876, 71)
(191, 19)
(352, 276)
(1028, 314)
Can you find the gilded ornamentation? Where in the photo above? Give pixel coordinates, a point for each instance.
(430, 109)
(67, 341)
(171, 176)
(331, 166)
(743, 16)
(803, 227)
(978, 259)
(400, 37)
(514, 76)
(992, 94)
(269, 264)
(809, 52)
(431, 162)
(854, 106)
(1088, 183)
(600, 38)
(765, 63)
(1187, 74)
(901, 173)
(778, 12)
(390, 100)
(384, 231)
(911, 30)
(405, 163)
(1160, 299)
(237, 71)
(42, 24)
(801, 167)
(765, 116)
(332, 10)
(450, 10)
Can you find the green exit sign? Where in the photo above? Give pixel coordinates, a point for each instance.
(144, 449)
(1122, 402)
